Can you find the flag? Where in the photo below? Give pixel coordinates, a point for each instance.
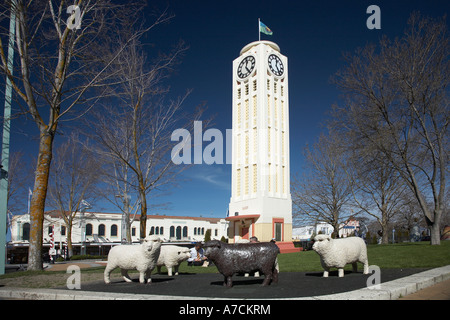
(265, 29)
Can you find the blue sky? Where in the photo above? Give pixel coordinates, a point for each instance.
(312, 34)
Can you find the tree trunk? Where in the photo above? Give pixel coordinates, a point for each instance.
(69, 241)
(37, 205)
(435, 228)
(384, 234)
(143, 219)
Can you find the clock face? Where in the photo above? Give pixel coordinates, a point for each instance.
(276, 65)
(246, 67)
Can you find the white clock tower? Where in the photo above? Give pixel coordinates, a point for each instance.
(260, 203)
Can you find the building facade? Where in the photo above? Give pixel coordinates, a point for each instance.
(260, 203)
(102, 229)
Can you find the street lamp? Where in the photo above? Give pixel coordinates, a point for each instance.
(84, 206)
(125, 216)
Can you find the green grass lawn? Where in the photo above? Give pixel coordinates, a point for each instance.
(391, 256)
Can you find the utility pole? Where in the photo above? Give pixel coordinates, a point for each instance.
(4, 165)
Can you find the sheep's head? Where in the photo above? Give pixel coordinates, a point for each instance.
(151, 243)
(321, 243)
(212, 248)
(184, 254)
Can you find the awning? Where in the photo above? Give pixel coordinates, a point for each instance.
(242, 217)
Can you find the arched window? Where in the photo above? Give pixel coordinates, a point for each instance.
(63, 230)
(161, 230)
(26, 231)
(101, 230)
(172, 231)
(157, 230)
(195, 231)
(152, 231)
(89, 229)
(114, 230)
(203, 231)
(185, 232)
(178, 233)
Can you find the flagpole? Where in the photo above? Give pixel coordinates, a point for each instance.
(259, 29)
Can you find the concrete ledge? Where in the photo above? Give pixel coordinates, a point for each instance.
(391, 290)
(395, 289)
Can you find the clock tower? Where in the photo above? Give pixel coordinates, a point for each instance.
(260, 203)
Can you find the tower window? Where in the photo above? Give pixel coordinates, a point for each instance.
(239, 115)
(268, 85)
(269, 180)
(238, 182)
(246, 176)
(246, 89)
(246, 147)
(255, 110)
(254, 85)
(275, 111)
(239, 93)
(255, 178)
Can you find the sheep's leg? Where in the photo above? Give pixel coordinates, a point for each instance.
(267, 278)
(341, 272)
(326, 272)
(228, 282)
(147, 274)
(142, 276)
(107, 274)
(125, 275)
(355, 267)
(176, 269)
(366, 267)
(275, 276)
(256, 274)
(169, 271)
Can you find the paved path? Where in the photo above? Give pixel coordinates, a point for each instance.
(440, 291)
(396, 283)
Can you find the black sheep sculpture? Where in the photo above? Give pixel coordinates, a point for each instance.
(243, 258)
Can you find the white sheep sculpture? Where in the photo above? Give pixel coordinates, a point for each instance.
(336, 253)
(172, 256)
(141, 257)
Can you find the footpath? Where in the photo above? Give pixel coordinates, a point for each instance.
(426, 285)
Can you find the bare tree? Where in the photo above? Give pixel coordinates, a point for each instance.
(377, 188)
(135, 130)
(73, 178)
(324, 193)
(397, 103)
(18, 182)
(59, 66)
